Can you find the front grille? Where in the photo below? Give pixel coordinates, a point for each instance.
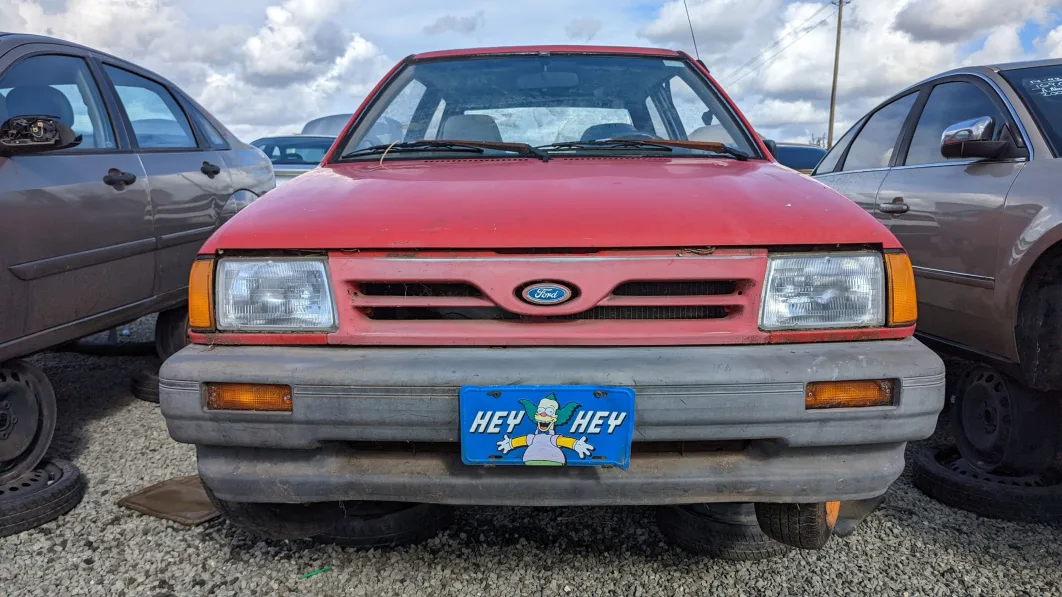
(417, 289)
(497, 313)
(676, 288)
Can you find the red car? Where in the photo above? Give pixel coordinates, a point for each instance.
(568, 276)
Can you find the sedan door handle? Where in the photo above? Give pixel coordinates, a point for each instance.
(210, 169)
(897, 206)
(118, 179)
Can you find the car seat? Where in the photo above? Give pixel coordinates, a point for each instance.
(40, 100)
(470, 127)
(609, 130)
(712, 133)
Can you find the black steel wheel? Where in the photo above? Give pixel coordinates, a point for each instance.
(171, 332)
(1003, 427)
(47, 492)
(944, 475)
(27, 418)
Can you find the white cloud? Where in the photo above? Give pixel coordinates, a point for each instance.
(961, 20)
(452, 24)
(583, 29)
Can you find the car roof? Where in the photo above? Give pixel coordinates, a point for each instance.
(568, 49)
(296, 136)
(11, 40)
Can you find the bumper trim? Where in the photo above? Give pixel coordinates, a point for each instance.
(340, 473)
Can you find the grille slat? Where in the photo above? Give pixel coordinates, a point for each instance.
(421, 289)
(676, 288)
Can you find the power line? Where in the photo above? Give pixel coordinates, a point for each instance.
(776, 54)
(778, 41)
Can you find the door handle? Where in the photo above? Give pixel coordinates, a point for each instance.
(118, 179)
(210, 169)
(896, 206)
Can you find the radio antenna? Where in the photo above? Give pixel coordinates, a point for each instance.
(690, 21)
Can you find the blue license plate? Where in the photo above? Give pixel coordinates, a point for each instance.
(547, 425)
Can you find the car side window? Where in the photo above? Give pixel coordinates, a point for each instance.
(948, 104)
(157, 119)
(62, 87)
(213, 135)
(829, 161)
(874, 144)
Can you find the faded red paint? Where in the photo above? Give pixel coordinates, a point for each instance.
(501, 50)
(426, 220)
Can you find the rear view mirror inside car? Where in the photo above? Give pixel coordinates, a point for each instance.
(547, 80)
(35, 133)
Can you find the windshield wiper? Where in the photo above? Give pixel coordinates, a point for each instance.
(651, 144)
(444, 145)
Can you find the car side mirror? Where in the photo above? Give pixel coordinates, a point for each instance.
(34, 134)
(972, 139)
(771, 147)
(707, 117)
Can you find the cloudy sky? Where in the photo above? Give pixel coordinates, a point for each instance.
(268, 66)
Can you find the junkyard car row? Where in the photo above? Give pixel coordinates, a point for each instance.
(582, 260)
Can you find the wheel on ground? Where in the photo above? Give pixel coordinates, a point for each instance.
(1003, 427)
(27, 418)
(145, 386)
(804, 526)
(725, 531)
(368, 525)
(279, 521)
(42, 495)
(171, 332)
(946, 476)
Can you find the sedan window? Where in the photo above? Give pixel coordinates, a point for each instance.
(948, 104)
(1041, 90)
(874, 144)
(59, 86)
(157, 119)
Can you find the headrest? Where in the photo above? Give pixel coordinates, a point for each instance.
(42, 100)
(470, 127)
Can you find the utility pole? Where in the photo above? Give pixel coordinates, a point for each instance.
(836, 60)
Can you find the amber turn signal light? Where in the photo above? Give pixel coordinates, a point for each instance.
(903, 302)
(248, 396)
(848, 394)
(201, 295)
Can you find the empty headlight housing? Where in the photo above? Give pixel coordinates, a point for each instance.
(274, 294)
(823, 290)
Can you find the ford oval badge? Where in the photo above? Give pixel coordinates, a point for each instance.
(546, 293)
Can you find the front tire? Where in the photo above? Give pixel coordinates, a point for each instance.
(803, 526)
(724, 531)
(279, 521)
(171, 332)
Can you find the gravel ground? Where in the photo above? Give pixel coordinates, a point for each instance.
(912, 546)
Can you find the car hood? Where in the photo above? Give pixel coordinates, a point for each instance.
(564, 203)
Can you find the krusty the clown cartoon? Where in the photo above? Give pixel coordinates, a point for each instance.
(544, 445)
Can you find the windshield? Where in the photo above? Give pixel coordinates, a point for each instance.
(295, 151)
(1041, 90)
(543, 100)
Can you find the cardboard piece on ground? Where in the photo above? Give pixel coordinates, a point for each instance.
(181, 499)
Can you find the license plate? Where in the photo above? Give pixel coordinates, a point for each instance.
(547, 425)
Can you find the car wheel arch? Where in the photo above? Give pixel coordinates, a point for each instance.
(1035, 319)
(237, 202)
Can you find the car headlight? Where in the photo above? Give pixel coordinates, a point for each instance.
(834, 290)
(277, 294)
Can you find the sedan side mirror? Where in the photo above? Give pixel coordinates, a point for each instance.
(34, 134)
(972, 139)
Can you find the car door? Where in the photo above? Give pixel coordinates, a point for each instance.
(73, 247)
(856, 169)
(189, 183)
(950, 211)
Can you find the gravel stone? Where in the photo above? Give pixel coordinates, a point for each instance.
(912, 546)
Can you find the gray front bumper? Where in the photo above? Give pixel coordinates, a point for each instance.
(683, 394)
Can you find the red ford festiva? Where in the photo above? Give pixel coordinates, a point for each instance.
(552, 276)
